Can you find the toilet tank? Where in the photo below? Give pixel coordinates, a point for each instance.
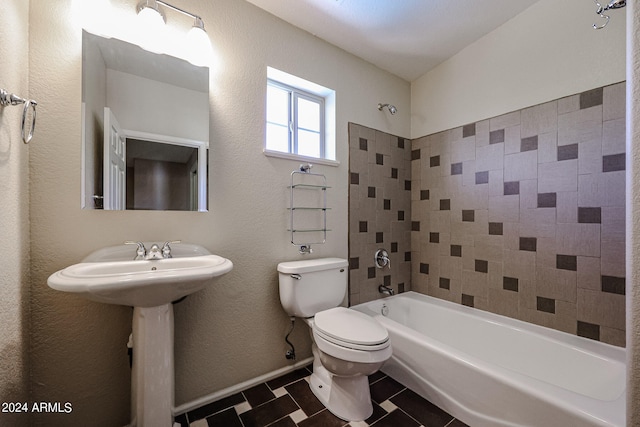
(310, 286)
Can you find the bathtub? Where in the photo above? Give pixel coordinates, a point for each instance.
(491, 370)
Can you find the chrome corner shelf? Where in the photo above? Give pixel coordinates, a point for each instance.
(301, 215)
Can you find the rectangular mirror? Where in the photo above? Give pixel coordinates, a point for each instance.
(145, 128)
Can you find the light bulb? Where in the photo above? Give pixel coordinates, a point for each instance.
(199, 45)
(150, 29)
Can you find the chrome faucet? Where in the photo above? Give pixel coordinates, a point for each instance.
(155, 252)
(386, 290)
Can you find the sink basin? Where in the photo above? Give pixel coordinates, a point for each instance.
(111, 276)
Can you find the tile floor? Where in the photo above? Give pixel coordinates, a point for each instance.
(288, 402)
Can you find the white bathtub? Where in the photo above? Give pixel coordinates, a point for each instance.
(490, 370)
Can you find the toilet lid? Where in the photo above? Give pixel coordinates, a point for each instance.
(350, 327)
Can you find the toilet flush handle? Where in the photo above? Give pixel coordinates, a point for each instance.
(296, 276)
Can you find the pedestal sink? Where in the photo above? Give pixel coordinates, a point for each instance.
(111, 275)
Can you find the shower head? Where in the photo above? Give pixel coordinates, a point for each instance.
(392, 108)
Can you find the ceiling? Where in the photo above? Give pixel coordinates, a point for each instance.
(404, 37)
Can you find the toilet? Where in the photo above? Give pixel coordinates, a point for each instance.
(347, 345)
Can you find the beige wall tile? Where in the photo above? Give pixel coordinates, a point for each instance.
(558, 176)
(601, 308)
(614, 101)
(539, 119)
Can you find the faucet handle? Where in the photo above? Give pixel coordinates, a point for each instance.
(166, 249)
(141, 251)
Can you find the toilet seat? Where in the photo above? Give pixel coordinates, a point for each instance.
(351, 329)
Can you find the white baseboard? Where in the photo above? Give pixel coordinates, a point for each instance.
(226, 392)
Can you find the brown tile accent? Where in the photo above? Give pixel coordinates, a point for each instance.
(456, 168)
(614, 285)
(424, 268)
(415, 225)
(379, 237)
(496, 228)
(588, 330)
(434, 161)
(468, 215)
(567, 262)
(445, 204)
(590, 215)
(371, 272)
(511, 188)
(547, 200)
(482, 177)
(510, 284)
(407, 185)
(387, 204)
(469, 130)
(591, 98)
(482, 266)
(379, 159)
(400, 215)
(496, 136)
(528, 244)
(467, 300)
(613, 162)
(434, 237)
(424, 194)
(362, 226)
(529, 144)
(371, 192)
(394, 247)
(401, 142)
(547, 305)
(444, 283)
(354, 263)
(567, 152)
(407, 256)
(456, 250)
(355, 178)
(415, 154)
(394, 173)
(363, 144)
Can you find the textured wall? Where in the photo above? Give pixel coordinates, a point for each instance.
(633, 214)
(233, 331)
(523, 214)
(379, 211)
(14, 212)
(547, 52)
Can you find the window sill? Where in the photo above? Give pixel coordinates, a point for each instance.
(312, 160)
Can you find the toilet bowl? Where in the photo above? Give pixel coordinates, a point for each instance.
(347, 345)
(342, 360)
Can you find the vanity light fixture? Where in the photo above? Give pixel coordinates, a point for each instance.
(150, 13)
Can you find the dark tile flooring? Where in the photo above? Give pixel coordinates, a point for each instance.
(288, 402)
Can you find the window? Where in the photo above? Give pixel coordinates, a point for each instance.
(296, 123)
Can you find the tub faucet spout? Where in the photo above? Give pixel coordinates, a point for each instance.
(386, 290)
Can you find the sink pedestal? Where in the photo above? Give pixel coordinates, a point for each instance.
(152, 377)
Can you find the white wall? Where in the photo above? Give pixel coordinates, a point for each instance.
(547, 52)
(14, 212)
(233, 331)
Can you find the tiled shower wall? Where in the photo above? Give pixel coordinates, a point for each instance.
(522, 214)
(379, 211)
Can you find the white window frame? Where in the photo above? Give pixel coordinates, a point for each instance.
(301, 89)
